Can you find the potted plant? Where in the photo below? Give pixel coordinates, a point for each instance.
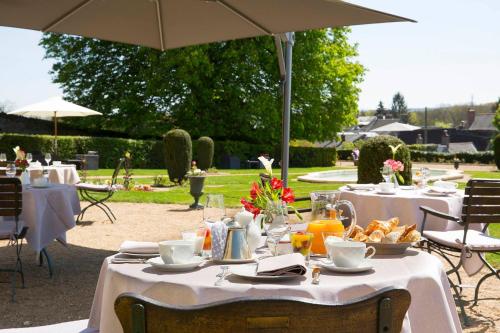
(196, 183)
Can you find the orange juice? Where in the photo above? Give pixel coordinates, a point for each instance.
(317, 228)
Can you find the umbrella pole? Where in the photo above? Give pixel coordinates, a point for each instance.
(55, 134)
(287, 98)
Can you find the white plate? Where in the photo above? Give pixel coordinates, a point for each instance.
(158, 263)
(234, 261)
(407, 187)
(365, 266)
(140, 255)
(249, 272)
(435, 194)
(41, 186)
(386, 193)
(438, 189)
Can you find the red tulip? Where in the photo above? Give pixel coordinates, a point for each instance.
(287, 195)
(255, 191)
(250, 207)
(276, 184)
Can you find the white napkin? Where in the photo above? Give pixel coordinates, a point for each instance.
(439, 189)
(219, 235)
(139, 247)
(284, 265)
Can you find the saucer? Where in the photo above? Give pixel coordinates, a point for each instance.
(363, 267)
(158, 263)
(386, 192)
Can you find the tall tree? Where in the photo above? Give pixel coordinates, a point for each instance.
(226, 90)
(399, 108)
(380, 112)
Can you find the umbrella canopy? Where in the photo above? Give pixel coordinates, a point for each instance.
(54, 107)
(167, 24)
(396, 127)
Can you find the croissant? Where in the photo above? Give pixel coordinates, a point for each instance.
(355, 231)
(392, 237)
(376, 236)
(360, 237)
(411, 237)
(407, 231)
(394, 222)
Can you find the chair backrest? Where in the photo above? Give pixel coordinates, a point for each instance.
(11, 197)
(382, 311)
(117, 170)
(481, 202)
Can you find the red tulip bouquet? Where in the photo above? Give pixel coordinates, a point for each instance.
(269, 197)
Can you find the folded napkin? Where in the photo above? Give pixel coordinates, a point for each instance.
(139, 247)
(439, 189)
(360, 186)
(284, 265)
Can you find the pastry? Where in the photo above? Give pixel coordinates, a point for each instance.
(376, 236)
(411, 237)
(392, 237)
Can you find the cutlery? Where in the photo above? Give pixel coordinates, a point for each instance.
(128, 261)
(222, 275)
(316, 272)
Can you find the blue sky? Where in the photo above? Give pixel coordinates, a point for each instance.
(450, 55)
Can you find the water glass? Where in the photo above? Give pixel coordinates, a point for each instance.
(11, 170)
(386, 173)
(3, 157)
(29, 157)
(48, 158)
(214, 209)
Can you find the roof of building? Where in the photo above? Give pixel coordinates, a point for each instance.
(378, 123)
(366, 120)
(483, 122)
(461, 147)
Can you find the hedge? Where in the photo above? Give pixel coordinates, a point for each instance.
(486, 157)
(148, 154)
(424, 147)
(145, 153)
(496, 145)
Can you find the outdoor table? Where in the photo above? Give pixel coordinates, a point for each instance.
(63, 174)
(48, 213)
(405, 204)
(432, 307)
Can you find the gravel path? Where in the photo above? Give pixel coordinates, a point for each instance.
(68, 295)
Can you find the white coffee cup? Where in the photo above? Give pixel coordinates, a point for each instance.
(386, 187)
(198, 240)
(176, 251)
(350, 254)
(56, 163)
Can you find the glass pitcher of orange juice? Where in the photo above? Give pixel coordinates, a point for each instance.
(329, 214)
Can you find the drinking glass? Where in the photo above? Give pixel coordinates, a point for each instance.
(302, 243)
(214, 209)
(386, 173)
(3, 157)
(11, 170)
(425, 173)
(48, 158)
(279, 223)
(29, 157)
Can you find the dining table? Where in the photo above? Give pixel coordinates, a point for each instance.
(404, 203)
(48, 212)
(57, 174)
(432, 307)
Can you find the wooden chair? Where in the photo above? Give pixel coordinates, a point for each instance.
(89, 191)
(382, 311)
(11, 207)
(481, 205)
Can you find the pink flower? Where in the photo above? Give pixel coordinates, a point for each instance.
(396, 166)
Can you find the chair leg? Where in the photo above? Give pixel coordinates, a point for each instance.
(492, 273)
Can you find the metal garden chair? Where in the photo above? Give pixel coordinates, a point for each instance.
(481, 205)
(382, 311)
(104, 192)
(10, 229)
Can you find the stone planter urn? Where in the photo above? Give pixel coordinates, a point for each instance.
(196, 184)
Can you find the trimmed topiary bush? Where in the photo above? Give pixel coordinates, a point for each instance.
(178, 154)
(373, 154)
(496, 149)
(205, 152)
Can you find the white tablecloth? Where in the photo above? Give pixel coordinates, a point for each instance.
(432, 307)
(64, 174)
(49, 213)
(404, 204)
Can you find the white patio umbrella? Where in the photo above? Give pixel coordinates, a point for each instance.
(54, 108)
(396, 127)
(167, 24)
